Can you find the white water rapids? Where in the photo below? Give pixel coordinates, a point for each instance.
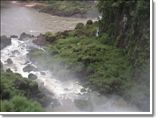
(16, 19)
(68, 93)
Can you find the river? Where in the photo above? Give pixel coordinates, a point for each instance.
(16, 19)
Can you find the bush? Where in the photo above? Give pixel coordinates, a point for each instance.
(15, 89)
(79, 26)
(20, 104)
(89, 22)
(104, 39)
(50, 37)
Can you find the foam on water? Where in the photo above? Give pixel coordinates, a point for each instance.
(66, 92)
(19, 59)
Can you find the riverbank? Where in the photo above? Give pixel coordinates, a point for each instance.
(31, 21)
(76, 9)
(84, 67)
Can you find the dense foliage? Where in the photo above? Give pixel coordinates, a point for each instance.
(127, 22)
(81, 53)
(116, 61)
(18, 94)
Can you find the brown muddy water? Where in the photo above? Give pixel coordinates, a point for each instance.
(16, 19)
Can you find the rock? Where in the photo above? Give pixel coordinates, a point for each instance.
(42, 73)
(9, 61)
(40, 40)
(32, 76)
(29, 68)
(83, 90)
(5, 41)
(15, 52)
(13, 36)
(1, 65)
(9, 70)
(25, 36)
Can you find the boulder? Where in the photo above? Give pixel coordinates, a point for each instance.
(25, 36)
(40, 40)
(9, 61)
(29, 68)
(83, 90)
(1, 66)
(13, 36)
(9, 70)
(32, 76)
(15, 52)
(42, 73)
(5, 41)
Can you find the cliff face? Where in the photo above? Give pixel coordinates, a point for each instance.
(128, 25)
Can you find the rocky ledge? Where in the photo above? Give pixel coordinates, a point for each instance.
(4, 41)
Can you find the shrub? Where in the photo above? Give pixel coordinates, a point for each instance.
(20, 104)
(89, 22)
(50, 37)
(79, 26)
(14, 89)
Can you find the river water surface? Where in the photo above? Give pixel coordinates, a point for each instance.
(16, 19)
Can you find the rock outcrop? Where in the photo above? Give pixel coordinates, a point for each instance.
(25, 36)
(9, 61)
(29, 68)
(4, 41)
(32, 76)
(40, 40)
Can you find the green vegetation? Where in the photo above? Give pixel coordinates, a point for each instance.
(105, 67)
(112, 62)
(127, 23)
(117, 61)
(20, 103)
(18, 94)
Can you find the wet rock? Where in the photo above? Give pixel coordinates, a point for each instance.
(42, 73)
(25, 36)
(9, 70)
(13, 36)
(5, 41)
(83, 90)
(15, 52)
(32, 76)
(1, 66)
(9, 61)
(29, 68)
(40, 40)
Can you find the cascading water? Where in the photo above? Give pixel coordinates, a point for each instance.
(16, 19)
(68, 93)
